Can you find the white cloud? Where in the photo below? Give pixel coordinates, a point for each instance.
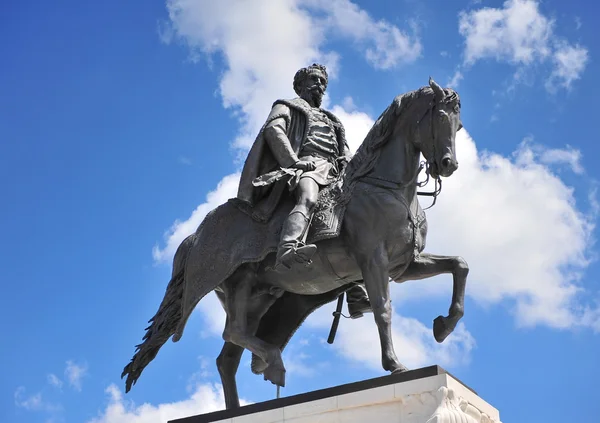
(520, 229)
(455, 80)
(55, 381)
(300, 363)
(227, 188)
(569, 64)
(356, 123)
(74, 373)
(205, 398)
(34, 402)
(385, 45)
(260, 44)
(557, 156)
(213, 314)
(519, 34)
(591, 317)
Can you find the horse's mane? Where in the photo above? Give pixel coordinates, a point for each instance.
(367, 154)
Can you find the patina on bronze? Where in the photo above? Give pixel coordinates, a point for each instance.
(379, 235)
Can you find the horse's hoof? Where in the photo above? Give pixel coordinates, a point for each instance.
(441, 330)
(258, 365)
(275, 374)
(400, 369)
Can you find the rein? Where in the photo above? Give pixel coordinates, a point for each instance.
(387, 184)
(436, 191)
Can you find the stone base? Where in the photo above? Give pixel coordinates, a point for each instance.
(427, 395)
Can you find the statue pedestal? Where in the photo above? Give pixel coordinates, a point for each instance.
(427, 395)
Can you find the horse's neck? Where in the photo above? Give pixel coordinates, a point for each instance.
(398, 162)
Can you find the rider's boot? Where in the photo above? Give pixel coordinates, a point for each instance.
(358, 302)
(291, 247)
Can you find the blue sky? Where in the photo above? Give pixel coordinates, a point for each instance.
(123, 123)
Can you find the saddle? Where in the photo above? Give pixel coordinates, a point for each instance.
(328, 215)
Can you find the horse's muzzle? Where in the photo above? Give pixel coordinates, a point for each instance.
(448, 165)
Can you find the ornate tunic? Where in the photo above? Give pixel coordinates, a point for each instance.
(321, 147)
(321, 140)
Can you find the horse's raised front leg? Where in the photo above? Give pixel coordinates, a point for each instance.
(429, 265)
(376, 278)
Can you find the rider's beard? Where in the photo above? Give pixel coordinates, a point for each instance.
(318, 98)
(315, 96)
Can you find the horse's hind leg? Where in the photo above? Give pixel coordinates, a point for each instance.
(227, 364)
(245, 305)
(228, 360)
(429, 265)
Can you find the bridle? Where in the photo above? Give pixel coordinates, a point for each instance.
(438, 180)
(437, 188)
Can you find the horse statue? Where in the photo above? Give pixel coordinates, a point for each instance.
(379, 236)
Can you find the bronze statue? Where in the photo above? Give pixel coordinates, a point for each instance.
(367, 228)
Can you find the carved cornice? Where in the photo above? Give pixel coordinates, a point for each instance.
(452, 408)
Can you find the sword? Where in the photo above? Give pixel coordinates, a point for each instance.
(336, 319)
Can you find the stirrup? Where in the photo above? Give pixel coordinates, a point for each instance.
(358, 309)
(300, 253)
(306, 252)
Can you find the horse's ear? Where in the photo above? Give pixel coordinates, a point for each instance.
(439, 91)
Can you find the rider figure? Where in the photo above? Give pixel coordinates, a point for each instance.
(319, 158)
(307, 142)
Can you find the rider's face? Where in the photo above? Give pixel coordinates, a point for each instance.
(314, 88)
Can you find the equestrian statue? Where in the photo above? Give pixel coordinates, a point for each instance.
(311, 223)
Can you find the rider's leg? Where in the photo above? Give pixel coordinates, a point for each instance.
(307, 194)
(291, 246)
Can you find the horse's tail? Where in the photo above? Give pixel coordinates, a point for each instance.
(165, 321)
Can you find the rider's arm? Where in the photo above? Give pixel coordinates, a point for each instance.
(275, 136)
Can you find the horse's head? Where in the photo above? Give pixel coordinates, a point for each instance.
(437, 131)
